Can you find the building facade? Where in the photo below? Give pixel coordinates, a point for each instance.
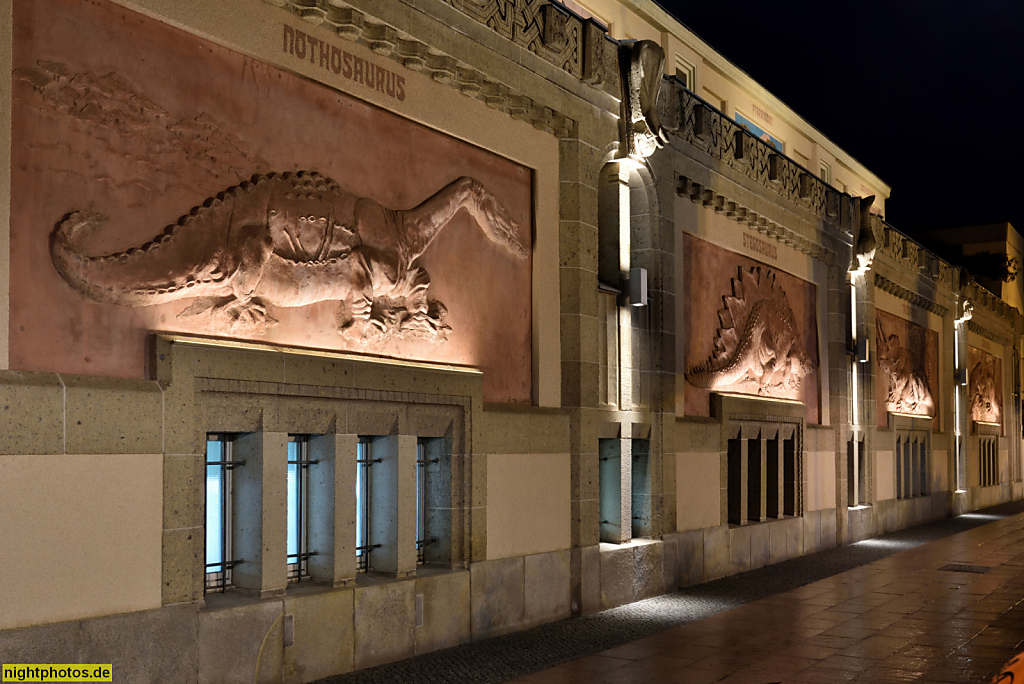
(335, 333)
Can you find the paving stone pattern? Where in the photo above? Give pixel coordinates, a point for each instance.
(877, 611)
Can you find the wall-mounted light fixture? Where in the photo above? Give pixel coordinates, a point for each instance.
(862, 350)
(638, 287)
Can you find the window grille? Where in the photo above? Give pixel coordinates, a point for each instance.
(219, 493)
(423, 538)
(364, 463)
(988, 461)
(298, 508)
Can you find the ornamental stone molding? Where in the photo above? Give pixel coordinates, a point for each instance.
(698, 123)
(900, 292)
(981, 330)
(561, 43)
(699, 194)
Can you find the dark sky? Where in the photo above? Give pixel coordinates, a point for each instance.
(926, 93)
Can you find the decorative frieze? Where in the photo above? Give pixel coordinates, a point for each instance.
(703, 126)
(721, 204)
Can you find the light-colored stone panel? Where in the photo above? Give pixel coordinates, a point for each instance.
(528, 507)
(885, 472)
(698, 490)
(323, 637)
(547, 592)
(717, 559)
(940, 470)
(385, 615)
(446, 610)
(617, 569)
(820, 482)
(92, 525)
(497, 597)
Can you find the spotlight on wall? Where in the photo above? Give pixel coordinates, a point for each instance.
(638, 287)
(862, 350)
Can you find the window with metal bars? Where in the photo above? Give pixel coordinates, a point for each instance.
(364, 477)
(219, 495)
(763, 478)
(988, 461)
(298, 508)
(912, 471)
(424, 538)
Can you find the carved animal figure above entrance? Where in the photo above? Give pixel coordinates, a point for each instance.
(288, 240)
(758, 347)
(901, 362)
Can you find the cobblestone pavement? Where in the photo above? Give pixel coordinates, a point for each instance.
(877, 611)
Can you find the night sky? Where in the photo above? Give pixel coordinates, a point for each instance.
(926, 94)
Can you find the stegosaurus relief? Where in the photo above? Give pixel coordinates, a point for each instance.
(758, 348)
(289, 240)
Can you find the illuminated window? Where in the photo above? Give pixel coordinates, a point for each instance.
(298, 507)
(219, 464)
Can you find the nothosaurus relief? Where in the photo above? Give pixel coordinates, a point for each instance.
(758, 348)
(289, 240)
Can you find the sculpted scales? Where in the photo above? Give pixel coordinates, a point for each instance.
(289, 240)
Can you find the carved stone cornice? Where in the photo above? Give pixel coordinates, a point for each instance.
(698, 123)
(721, 204)
(897, 290)
(911, 256)
(978, 329)
(389, 42)
(979, 296)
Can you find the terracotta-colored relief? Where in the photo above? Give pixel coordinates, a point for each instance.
(749, 328)
(985, 386)
(908, 360)
(313, 211)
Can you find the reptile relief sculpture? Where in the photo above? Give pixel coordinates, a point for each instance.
(288, 240)
(908, 384)
(758, 347)
(984, 391)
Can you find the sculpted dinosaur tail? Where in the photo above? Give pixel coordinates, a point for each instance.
(159, 271)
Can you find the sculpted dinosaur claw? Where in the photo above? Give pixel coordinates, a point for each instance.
(289, 240)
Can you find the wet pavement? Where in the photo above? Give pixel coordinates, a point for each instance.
(939, 603)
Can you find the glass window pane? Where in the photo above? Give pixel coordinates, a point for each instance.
(293, 504)
(360, 502)
(214, 506)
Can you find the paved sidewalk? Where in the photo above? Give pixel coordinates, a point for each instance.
(878, 611)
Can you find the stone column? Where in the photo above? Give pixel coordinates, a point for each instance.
(332, 506)
(259, 509)
(393, 505)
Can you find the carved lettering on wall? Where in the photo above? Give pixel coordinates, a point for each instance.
(332, 58)
(760, 247)
(289, 240)
(759, 347)
(902, 351)
(985, 386)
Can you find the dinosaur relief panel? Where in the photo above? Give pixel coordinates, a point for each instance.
(295, 215)
(985, 386)
(906, 356)
(751, 330)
